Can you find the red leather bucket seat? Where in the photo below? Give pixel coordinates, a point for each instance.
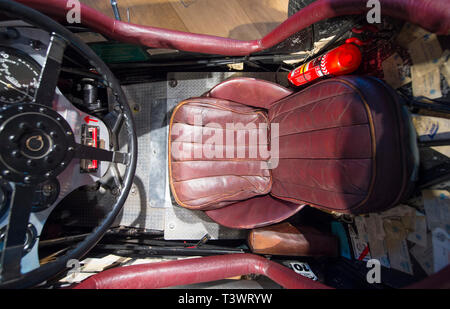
(252, 153)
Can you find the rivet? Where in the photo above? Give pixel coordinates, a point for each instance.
(15, 153)
(24, 126)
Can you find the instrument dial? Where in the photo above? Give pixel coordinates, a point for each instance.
(19, 76)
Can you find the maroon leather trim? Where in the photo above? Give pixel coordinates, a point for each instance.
(432, 15)
(249, 91)
(255, 212)
(355, 159)
(392, 173)
(197, 270)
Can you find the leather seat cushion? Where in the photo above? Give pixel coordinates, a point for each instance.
(341, 146)
(206, 170)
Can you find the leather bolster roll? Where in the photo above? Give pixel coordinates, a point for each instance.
(196, 270)
(285, 239)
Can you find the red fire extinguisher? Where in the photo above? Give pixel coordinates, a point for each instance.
(342, 60)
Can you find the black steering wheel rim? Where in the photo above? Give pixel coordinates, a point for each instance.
(51, 269)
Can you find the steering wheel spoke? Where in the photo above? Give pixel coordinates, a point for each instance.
(92, 153)
(48, 79)
(15, 233)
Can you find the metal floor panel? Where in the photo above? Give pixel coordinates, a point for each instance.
(139, 209)
(149, 204)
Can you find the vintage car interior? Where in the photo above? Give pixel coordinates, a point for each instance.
(174, 159)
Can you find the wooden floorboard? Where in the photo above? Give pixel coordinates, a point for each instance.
(156, 13)
(238, 19)
(221, 18)
(265, 15)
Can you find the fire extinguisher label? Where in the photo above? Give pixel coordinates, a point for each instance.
(319, 72)
(323, 65)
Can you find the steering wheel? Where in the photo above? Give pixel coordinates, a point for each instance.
(39, 143)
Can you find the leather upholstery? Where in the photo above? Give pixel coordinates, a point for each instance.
(285, 239)
(255, 212)
(342, 147)
(205, 174)
(249, 91)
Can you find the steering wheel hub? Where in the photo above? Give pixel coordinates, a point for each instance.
(37, 143)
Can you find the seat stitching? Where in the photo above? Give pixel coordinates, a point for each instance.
(328, 128)
(318, 188)
(317, 101)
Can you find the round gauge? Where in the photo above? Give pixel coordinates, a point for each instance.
(19, 76)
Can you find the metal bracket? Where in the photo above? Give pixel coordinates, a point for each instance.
(115, 9)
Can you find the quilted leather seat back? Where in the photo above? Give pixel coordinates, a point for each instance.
(214, 157)
(342, 146)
